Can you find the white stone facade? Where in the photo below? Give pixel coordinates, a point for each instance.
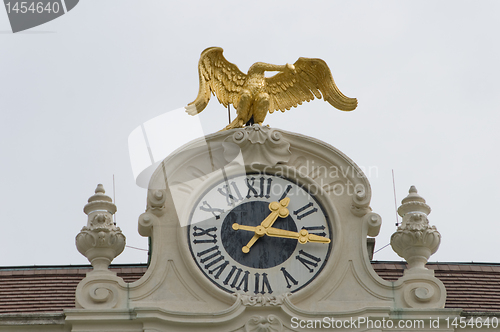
(174, 295)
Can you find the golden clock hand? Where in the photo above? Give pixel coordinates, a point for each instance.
(237, 226)
(278, 210)
(246, 249)
(259, 232)
(276, 232)
(303, 236)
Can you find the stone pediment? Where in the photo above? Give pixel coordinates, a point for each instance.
(198, 279)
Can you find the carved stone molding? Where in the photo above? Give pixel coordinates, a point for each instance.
(419, 294)
(146, 222)
(100, 246)
(261, 300)
(360, 203)
(420, 290)
(258, 144)
(270, 323)
(98, 292)
(374, 222)
(156, 201)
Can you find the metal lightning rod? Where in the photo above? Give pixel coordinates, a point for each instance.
(395, 200)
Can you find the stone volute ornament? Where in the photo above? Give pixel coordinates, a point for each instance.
(415, 240)
(100, 241)
(257, 144)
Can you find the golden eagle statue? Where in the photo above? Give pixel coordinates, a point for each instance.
(253, 94)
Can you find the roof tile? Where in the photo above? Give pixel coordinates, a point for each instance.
(474, 287)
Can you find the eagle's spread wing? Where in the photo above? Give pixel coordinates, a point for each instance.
(217, 76)
(312, 78)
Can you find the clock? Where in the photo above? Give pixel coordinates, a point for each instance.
(259, 233)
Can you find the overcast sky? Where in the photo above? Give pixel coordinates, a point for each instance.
(425, 74)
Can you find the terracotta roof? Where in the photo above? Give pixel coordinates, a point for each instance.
(36, 289)
(474, 287)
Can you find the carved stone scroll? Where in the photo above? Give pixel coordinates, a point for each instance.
(257, 144)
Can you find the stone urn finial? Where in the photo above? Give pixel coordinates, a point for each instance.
(415, 240)
(100, 241)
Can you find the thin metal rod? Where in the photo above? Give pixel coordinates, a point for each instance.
(395, 200)
(136, 248)
(382, 248)
(114, 198)
(229, 113)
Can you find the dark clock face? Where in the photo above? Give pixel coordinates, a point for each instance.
(260, 257)
(259, 233)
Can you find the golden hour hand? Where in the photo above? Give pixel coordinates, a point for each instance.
(278, 209)
(302, 236)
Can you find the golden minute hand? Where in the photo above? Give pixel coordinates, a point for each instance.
(302, 236)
